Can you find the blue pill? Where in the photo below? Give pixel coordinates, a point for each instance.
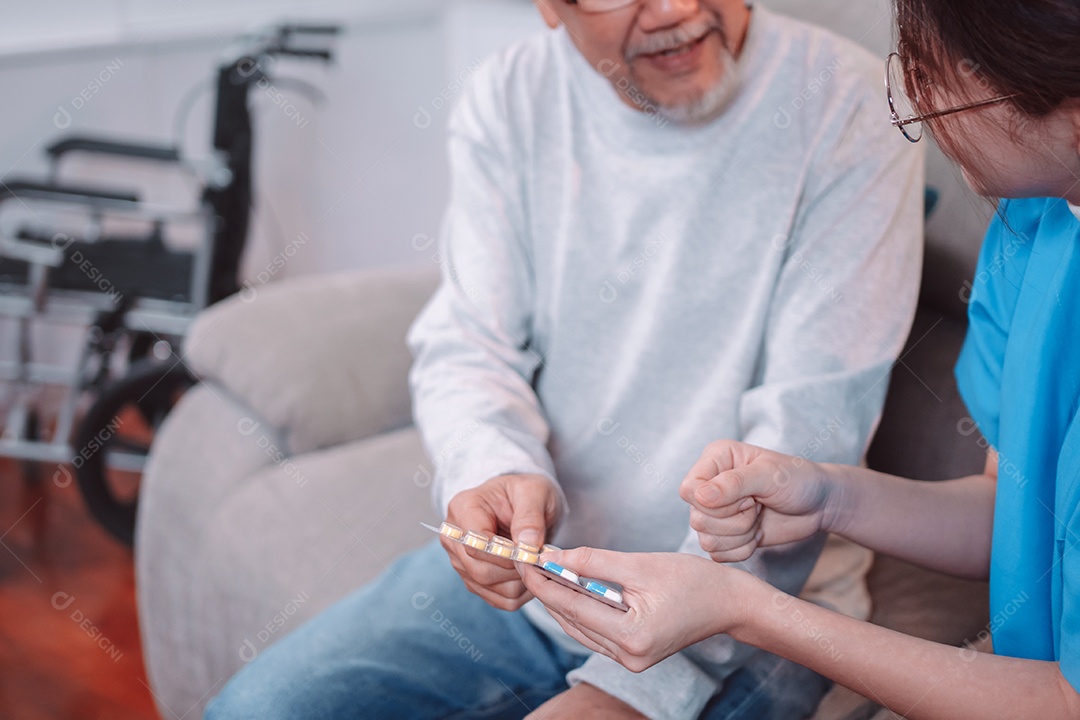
(601, 589)
(562, 572)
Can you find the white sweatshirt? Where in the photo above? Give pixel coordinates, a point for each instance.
(619, 291)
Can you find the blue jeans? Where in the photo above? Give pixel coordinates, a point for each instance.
(417, 644)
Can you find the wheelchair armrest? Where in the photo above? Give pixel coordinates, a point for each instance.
(57, 192)
(32, 252)
(141, 151)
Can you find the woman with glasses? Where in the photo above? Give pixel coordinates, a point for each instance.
(997, 85)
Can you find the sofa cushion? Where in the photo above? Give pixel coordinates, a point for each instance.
(321, 359)
(273, 547)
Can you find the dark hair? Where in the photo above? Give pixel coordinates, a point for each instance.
(1024, 48)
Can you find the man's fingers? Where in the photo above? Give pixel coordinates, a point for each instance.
(534, 504)
(484, 568)
(509, 590)
(500, 602)
(485, 559)
(529, 529)
(499, 586)
(471, 512)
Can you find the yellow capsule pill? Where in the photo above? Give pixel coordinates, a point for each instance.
(451, 531)
(499, 548)
(476, 540)
(523, 554)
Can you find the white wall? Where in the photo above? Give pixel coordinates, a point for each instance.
(356, 178)
(361, 176)
(363, 173)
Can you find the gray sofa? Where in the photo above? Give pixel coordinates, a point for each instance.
(291, 475)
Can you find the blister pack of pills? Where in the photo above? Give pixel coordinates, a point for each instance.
(605, 592)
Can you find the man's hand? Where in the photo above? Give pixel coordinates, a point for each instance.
(742, 497)
(584, 701)
(521, 507)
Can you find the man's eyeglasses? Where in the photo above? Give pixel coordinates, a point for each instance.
(902, 109)
(601, 6)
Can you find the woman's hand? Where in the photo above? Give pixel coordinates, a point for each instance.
(743, 497)
(675, 600)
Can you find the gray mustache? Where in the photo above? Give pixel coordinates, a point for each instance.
(670, 39)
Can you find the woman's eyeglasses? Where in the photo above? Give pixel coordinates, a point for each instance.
(902, 109)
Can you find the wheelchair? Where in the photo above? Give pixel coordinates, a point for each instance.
(103, 260)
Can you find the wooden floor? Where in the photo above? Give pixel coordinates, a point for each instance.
(69, 639)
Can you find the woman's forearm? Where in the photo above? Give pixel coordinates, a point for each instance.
(915, 678)
(944, 525)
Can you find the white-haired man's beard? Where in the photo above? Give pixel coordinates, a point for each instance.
(707, 104)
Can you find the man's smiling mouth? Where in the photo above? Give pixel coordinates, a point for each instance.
(680, 49)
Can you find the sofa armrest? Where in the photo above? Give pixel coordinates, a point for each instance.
(322, 359)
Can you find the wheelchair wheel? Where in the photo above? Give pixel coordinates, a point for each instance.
(114, 439)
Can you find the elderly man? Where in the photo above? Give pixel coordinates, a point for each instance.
(671, 221)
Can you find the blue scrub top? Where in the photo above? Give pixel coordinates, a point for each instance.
(1019, 373)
